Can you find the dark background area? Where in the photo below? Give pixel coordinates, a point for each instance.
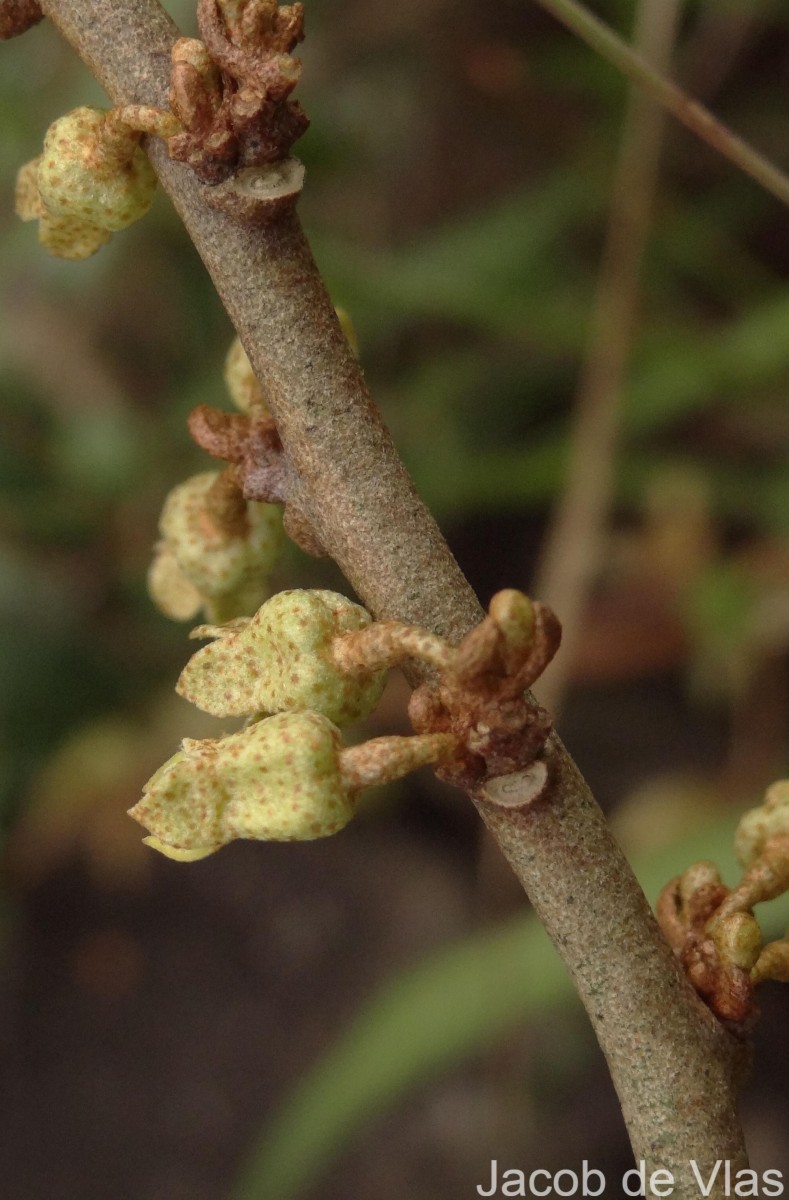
(154, 1017)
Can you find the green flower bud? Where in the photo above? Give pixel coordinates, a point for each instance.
(64, 237)
(27, 201)
(242, 382)
(281, 660)
(202, 562)
(171, 591)
(770, 819)
(739, 940)
(277, 780)
(513, 615)
(82, 174)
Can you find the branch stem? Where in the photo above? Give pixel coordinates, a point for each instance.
(674, 1067)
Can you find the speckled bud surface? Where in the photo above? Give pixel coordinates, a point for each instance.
(280, 661)
(80, 179)
(63, 236)
(277, 780)
(770, 819)
(198, 557)
(739, 940)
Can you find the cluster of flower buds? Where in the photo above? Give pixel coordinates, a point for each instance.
(230, 119)
(765, 827)
(230, 92)
(217, 549)
(712, 927)
(286, 776)
(92, 179)
(306, 663)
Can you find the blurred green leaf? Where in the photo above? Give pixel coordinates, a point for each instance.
(457, 1003)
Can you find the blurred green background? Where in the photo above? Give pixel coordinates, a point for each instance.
(156, 1019)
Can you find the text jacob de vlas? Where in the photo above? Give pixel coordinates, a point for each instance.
(590, 1181)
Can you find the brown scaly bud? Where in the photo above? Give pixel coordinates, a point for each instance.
(717, 956)
(195, 84)
(230, 92)
(17, 16)
(483, 699)
(253, 447)
(480, 697)
(206, 142)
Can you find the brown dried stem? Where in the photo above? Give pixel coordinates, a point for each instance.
(675, 1068)
(574, 544)
(693, 115)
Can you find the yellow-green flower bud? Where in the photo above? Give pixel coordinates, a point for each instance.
(64, 237)
(242, 382)
(770, 819)
(201, 561)
(277, 780)
(281, 661)
(773, 962)
(68, 237)
(513, 615)
(83, 175)
(27, 201)
(739, 940)
(172, 593)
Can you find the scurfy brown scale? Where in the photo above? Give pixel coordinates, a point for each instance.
(686, 906)
(712, 928)
(483, 700)
(251, 444)
(242, 118)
